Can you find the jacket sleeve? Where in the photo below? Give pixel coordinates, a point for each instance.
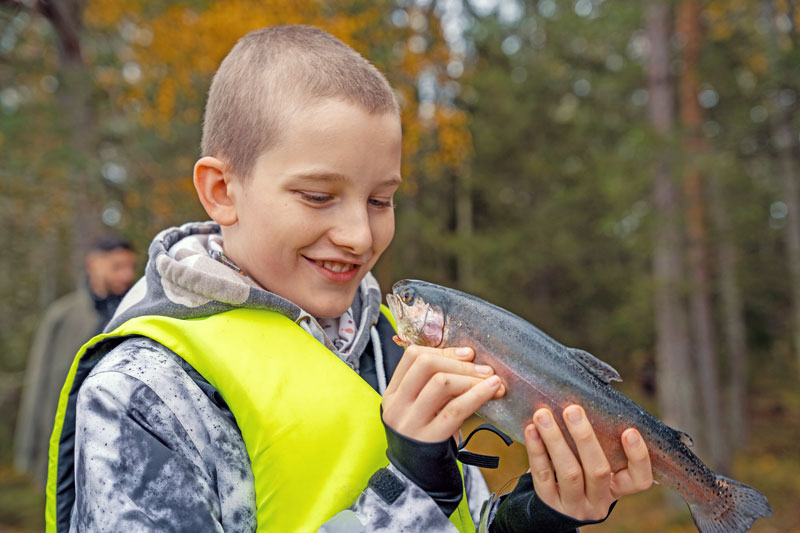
(135, 466)
(30, 435)
(392, 502)
(521, 510)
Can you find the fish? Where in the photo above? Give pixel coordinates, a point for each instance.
(538, 371)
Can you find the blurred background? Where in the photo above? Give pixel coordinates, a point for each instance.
(622, 174)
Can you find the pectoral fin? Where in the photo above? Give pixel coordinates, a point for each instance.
(598, 368)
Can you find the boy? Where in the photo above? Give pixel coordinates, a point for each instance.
(240, 384)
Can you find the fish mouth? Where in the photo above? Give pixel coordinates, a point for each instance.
(394, 306)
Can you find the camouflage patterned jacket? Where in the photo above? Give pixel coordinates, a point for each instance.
(157, 449)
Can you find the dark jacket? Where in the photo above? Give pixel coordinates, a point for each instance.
(68, 323)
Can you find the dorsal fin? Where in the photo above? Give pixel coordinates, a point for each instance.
(598, 368)
(685, 438)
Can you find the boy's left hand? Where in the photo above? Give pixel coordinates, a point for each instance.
(582, 488)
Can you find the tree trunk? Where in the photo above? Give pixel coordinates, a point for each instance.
(787, 146)
(673, 366)
(74, 98)
(704, 343)
(464, 264)
(733, 319)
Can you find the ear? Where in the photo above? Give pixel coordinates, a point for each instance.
(214, 187)
(95, 272)
(90, 261)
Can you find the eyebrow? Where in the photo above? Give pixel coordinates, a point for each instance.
(337, 177)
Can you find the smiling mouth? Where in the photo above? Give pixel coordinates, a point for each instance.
(335, 266)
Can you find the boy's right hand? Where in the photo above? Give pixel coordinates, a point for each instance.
(433, 391)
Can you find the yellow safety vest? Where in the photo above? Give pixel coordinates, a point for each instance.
(310, 424)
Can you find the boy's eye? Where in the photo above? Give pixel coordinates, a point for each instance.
(379, 202)
(315, 197)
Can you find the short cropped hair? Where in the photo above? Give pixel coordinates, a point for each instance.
(109, 243)
(271, 73)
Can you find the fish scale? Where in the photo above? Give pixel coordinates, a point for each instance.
(538, 371)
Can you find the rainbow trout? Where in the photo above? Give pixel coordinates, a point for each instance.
(540, 372)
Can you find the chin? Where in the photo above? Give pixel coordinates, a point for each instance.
(330, 309)
(328, 312)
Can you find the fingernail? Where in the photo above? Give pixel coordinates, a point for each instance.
(632, 437)
(461, 352)
(483, 370)
(493, 381)
(574, 414)
(545, 420)
(531, 429)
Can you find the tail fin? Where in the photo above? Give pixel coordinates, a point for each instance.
(734, 509)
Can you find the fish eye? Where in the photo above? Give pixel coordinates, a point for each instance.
(407, 296)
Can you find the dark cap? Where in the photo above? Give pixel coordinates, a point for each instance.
(110, 242)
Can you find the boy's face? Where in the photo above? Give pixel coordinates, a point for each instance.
(317, 213)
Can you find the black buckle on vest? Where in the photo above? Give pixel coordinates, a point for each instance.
(477, 459)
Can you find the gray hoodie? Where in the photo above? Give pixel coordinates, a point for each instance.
(157, 449)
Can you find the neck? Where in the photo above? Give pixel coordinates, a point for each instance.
(98, 289)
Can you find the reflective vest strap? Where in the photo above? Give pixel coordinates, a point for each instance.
(310, 424)
(388, 314)
(60, 469)
(461, 517)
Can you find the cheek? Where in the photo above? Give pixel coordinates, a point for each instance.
(383, 232)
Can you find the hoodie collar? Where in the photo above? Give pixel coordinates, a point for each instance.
(183, 279)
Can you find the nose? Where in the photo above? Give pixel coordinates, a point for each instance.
(352, 230)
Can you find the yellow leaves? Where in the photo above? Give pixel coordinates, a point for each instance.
(724, 17)
(168, 192)
(348, 27)
(165, 98)
(189, 40)
(757, 61)
(108, 13)
(721, 31)
(716, 9)
(133, 200)
(455, 142)
(435, 147)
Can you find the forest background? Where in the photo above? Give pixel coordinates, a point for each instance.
(622, 174)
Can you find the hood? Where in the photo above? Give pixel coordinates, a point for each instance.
(183, 280)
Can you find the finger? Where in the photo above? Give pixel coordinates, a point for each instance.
(544, 480)
(439, 390)
(638, 476)
(567, 468)
(405, 363)
(452, 416)
(414, 351)
(430, 362)
(459, 353)
(596, 470)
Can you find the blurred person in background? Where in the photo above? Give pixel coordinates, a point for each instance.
(68, 323)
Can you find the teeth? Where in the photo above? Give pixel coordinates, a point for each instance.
(335, 266)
